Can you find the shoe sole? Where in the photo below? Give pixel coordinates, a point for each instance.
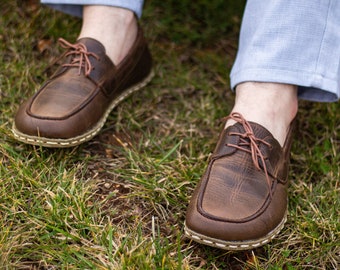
(62, 143)
(234, 245)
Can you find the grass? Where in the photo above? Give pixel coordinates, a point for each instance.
(118, 202)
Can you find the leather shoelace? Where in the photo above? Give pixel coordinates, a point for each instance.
(250, 144)
(81, 59)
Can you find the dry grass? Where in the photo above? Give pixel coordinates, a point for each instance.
(118, 202)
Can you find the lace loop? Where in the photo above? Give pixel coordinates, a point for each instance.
(248, 139)
(81, 59)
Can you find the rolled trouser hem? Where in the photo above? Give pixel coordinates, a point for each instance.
(311, 87)
(75, 7)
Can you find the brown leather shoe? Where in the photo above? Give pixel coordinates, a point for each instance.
(241, 201)
(73, 105)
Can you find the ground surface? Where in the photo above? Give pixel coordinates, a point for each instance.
(118, 202)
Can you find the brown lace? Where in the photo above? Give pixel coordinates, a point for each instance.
(81, 59)
(248, 139)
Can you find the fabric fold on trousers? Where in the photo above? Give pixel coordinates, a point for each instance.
(293, 42)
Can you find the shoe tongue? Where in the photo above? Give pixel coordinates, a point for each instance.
(259, 131)
(92, 45)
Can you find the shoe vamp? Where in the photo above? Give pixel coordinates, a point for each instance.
(236, 189)
(63, 96)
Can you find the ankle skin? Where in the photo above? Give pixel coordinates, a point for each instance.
(116, 28)
(271, 105)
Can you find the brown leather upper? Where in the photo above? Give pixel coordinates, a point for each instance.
(74, 98)
(234, 200)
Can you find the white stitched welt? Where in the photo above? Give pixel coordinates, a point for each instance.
(233, 246)
(220, 245)
(208, 241)
(41, 141)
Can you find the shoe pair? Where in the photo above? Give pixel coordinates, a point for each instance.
(241, 200)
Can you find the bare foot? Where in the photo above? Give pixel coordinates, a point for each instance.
(116, 28)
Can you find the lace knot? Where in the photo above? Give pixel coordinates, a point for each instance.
(250, 144)
(81, 56)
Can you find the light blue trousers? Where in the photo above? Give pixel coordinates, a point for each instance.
(75, 7)
(283, 41)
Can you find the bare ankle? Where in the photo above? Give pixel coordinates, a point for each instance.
(272, 105)
(116, 28)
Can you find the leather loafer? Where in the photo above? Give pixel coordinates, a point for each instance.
(73, 105)
(241, 200)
